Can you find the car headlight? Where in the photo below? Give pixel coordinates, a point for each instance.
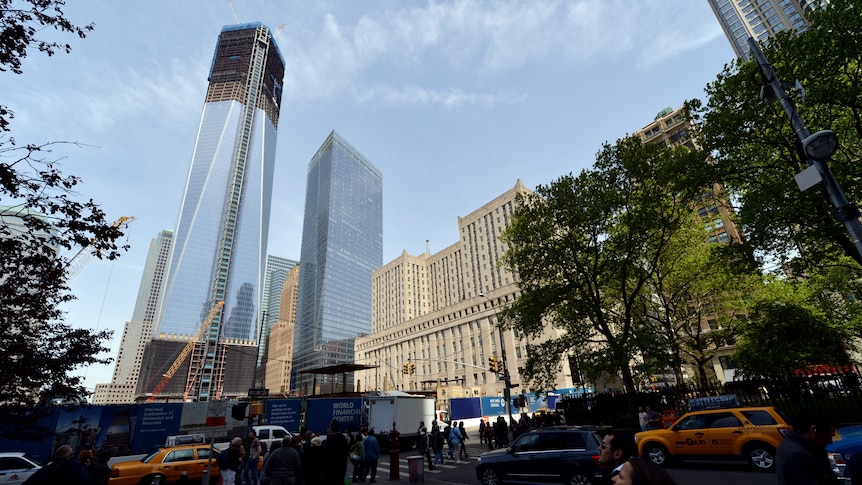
(479, 461)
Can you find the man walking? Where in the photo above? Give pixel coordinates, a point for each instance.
(616, 448)
(801, 458)
(372, 454)
(249, 473)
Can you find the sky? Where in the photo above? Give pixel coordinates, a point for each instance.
(453, 101)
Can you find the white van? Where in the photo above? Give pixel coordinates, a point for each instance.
(270, 434)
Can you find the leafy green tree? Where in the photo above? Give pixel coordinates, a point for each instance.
(786, 331)
(585, 249)
(698, 291)
(755, 149)
(40, 220)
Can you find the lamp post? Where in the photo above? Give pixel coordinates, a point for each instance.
(507, 381)
(817, 149)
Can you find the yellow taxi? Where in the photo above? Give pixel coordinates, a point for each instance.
(168, 464)
(750, 433)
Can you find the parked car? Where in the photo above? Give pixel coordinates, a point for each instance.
(562, 454)
(846, 443)
(16, 467)
(270, 434)
(167, 465)
(751, 433)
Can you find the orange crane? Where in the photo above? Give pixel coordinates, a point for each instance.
(185, 352)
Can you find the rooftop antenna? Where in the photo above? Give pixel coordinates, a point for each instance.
(232, 9)
(427, 246)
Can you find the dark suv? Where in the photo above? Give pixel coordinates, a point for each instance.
(548, 455)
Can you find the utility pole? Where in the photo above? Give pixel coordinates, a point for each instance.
(817, 148)
(507, 380)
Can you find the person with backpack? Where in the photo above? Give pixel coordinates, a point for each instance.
(422, 444)
(437, 442)
(230, 461)
(446, 432)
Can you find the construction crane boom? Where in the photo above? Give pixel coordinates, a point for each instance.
(84, 256)
(185, 352)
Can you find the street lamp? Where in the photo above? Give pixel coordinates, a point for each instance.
(507, 381)
(817, 148)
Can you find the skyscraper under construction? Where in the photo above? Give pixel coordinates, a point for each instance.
(219, 247)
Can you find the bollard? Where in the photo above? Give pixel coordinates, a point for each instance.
(393, 454)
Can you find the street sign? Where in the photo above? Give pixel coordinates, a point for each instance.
(258, 392)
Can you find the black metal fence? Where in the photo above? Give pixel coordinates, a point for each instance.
(834, 390)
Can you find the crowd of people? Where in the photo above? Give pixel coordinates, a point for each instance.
(87, 468)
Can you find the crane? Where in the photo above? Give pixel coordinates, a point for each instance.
(185, 352)
(232, 9)
(84, 256)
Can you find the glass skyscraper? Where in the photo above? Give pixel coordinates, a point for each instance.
(219, 246)
(342, 243)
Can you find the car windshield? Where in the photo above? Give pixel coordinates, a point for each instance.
(149, 458)
(33, 459)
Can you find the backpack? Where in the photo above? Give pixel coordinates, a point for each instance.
(222, 459)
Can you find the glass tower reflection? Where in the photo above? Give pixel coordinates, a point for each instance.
(342, 243)
(220, 241)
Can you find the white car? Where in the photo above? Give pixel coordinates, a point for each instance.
(270, 434)
(16, 467)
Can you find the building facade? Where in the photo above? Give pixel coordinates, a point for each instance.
(139, 330)
(761, 19)
(277, 269)
(342, 243)
(670, 127)
(220, 240)
(436, 314)
(278, 357)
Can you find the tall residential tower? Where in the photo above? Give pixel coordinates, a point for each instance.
(761, 19)
(219, 246)
(342, 243)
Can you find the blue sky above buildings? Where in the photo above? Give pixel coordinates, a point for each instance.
(452, 100)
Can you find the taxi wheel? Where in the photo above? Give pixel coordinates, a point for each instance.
(760, 455)
(657, 453)
(151, 479)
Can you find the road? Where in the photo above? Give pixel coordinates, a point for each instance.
(698, 472)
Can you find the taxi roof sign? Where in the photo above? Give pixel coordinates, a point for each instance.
(713, 402)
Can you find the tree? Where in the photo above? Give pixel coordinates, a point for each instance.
(20, 25)
(756, 156)
(785, 332)
(697, 293)
(40, 218)
(584, 249)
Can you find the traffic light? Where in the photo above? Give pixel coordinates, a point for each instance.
(237, 411)
(412, 368)
(493, 364)
(405, 370)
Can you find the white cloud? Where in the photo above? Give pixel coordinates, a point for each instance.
(481, 38)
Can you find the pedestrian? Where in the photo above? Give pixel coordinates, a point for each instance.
(447, 430)
(437, 442)
(313, 459)
(482, 431)
(464, 439)
(616, 448)
(372, 453)
(501, 433)
(455, 441)
(284, 466)
(357, 458)
(99, 469)
(653, 419)
(64, 468)
(642, 472)
(423, 444)
(230, 462)
(801, 457)
(249, 473)
(264, 479)
(489, 435)
(643, 419)
(337, 451)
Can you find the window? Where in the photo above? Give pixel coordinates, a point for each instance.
(180, 455)
(692, 422)
(724, 420)
(759, 418)
(203, 453)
